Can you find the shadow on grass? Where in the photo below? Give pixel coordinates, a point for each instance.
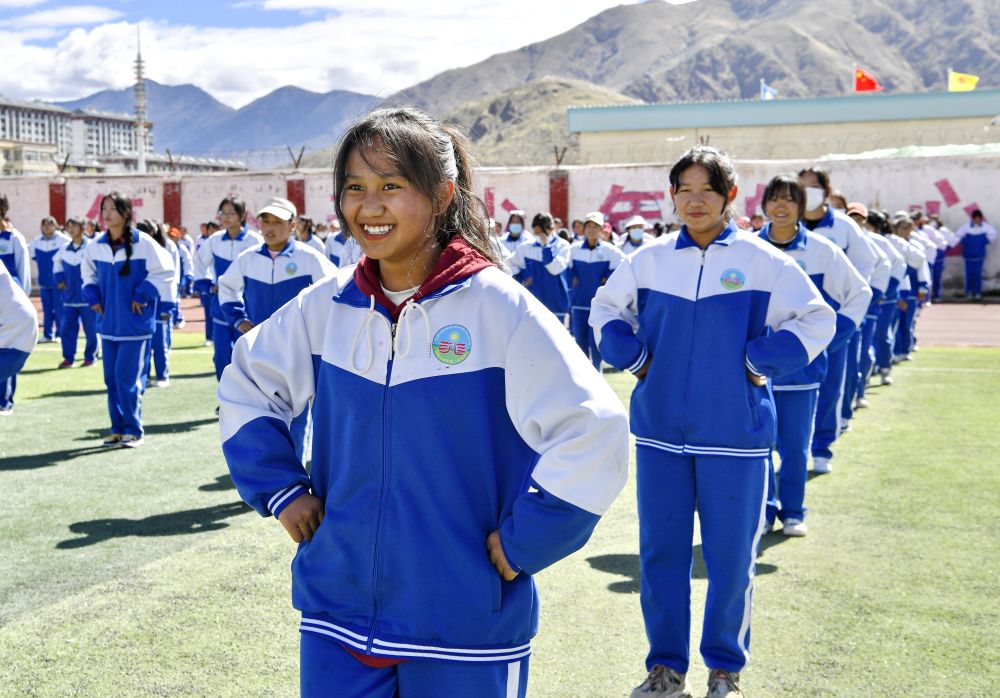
(172, 428)
(72, 393)
(188, 376)
(628, 566)
(221, 484)
(44, 460)
(29, 371)
(176, 524)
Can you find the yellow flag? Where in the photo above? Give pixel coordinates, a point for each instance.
(961, 82)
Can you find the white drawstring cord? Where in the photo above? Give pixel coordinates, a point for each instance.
(411, 304)
(366, 329)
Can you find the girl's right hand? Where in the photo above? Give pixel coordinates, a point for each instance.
(302, 517)
(96, 307)
(641, 373)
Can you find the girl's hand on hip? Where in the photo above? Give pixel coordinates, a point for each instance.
(302, 517)
(137, 307)
(499, 560)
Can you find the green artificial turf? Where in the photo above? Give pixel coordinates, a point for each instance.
(138, 572)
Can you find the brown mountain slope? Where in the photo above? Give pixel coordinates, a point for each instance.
(718, 49)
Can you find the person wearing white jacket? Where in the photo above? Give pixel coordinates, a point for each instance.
(18, 335)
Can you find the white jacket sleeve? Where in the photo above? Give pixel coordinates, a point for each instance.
(566, 412)
(18, 326)
(860, 252)
(561, 257)
(843, 283)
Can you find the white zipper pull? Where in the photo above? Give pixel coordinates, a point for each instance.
(392, 340)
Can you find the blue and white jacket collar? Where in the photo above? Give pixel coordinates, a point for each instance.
(726, 237)
(799, 242)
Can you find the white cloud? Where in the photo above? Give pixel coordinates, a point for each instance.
(70, 16)
(369, 46)
(4, 4)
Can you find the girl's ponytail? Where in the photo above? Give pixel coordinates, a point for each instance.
(123, 205)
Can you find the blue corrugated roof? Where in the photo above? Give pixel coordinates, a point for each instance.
(780, 112)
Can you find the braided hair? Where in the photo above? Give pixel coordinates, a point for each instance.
(123, 205)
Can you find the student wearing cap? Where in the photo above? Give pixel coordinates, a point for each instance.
(264, 278)
(211, 262)
(542, 265)
(837, 227)
(635, 235)
(592, 261)
(18, 335)
(975, 236)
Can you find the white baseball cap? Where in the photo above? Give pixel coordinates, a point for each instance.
(279, 208)
(634, 221)
(594, 217)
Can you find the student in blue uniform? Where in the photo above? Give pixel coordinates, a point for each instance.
(205, 299)
(18, 335)
(635, 235)
(14, 250)
(158, 356)
(43, 251)
(185, 273)
(592, 261)
(975, 236)
(462, 442)
(125, 274)
(211, 262)
(703, 318)
(795, 393)
(516, 234)
(263, 279)
(542, 264)
(837, 227)
(914, 289)
(76, 310)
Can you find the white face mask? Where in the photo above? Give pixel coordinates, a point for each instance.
(635, 234)
(515, 229)
(815, 197)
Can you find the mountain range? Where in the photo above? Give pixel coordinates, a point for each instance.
(513, 104)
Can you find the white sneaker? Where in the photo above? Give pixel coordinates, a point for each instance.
(861, 403)
(207, 343)
(662, 683)
(886, 379)
(723, 684)
(112, 440)
(161, 383)
(845, 425)
(6, 411)
(822, 466)
(795, 528)
(130, 441)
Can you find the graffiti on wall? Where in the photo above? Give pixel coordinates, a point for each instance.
(621, 204)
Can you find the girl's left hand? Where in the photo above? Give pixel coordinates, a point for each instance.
(137, 307)
(499, 560)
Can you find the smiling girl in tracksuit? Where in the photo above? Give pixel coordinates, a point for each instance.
(795, 393)
(703, 317)
(263, 279)
(462, 443)
(125, 275)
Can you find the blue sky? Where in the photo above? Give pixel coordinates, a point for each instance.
(239, 50)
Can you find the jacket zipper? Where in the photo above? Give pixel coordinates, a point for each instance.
(381, 497)
(694, 316)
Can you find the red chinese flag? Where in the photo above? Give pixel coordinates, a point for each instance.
(865, 81)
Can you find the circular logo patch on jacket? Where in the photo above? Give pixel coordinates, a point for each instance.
(291, 268)
(452, 344)
(732, 279)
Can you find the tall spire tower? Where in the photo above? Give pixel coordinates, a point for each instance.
(140, 106)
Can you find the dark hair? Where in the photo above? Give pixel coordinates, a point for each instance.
(427, 154)
(821, 176)
(513, 216)
(786, 185)
(238, 204)
(543, 220)
(878, 222)
(49, 219)
(976, 213)
(721, 172)
(74, 221)
(4, 205)
(123, 204)
(213, 225)
(310, 226)
(152, 229)
(658, 229)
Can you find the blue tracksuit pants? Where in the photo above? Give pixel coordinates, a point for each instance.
(729, 496)
(7, 390)
(974, 277)
(326, 669)
(937, 272)
(224, 336)
(69, 331)
(828, 406)
(124, 375)
(162, 341)
(584, 335)
(868, 328)
(52, 309)
(786, 494)
(887, 313)
(206, 305)
(852, 375)
(904, 328)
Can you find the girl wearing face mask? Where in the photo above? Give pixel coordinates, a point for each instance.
(516, 235)
(635, 235)
(836, 226)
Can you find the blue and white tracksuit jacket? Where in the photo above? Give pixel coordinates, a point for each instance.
(842, 288)
(150, 281)
(705, 316)
(255, 286)
(431, 433)
(975, 239)
(840, 229)
(314, 242)
(43, 250)
(68, 271)
(18, 330)
(512, 242)
(14, 255)
(342, 250)
(590, 268)
(546, 267)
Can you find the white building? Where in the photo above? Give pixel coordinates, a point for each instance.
(95, 134)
